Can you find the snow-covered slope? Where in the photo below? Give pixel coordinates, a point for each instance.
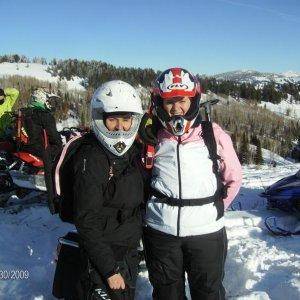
(259, 266)
(284, 108)
(39, 72)
(257, 78)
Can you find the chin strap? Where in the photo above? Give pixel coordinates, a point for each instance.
(178, 125)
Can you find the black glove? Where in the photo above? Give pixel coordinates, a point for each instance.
(148, 129)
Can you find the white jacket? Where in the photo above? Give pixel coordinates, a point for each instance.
(183, 170)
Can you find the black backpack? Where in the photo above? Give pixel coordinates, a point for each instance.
(60, 197)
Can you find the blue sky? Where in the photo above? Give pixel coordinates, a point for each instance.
(203, 36)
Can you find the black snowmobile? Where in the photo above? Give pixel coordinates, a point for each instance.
(284, 195)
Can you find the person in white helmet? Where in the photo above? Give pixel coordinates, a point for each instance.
(108, 191)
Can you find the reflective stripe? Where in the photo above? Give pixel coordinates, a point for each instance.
(61, 159)
(67, 242)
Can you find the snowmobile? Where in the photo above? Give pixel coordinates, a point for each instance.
(21, 179)
(284, 195)
(20, 172)
(283, 226)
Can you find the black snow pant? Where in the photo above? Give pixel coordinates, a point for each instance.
(76, 279)
(98, 288)
(94, 287)
(202, 257)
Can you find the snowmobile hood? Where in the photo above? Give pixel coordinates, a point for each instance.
(289, 182)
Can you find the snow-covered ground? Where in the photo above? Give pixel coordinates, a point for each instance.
(259, 266)
(39, 72)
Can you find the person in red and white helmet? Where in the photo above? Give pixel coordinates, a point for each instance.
(176, 85)
(195, 176)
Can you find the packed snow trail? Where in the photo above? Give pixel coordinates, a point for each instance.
(259, 266)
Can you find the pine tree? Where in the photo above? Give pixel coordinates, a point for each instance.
(258, 159)
(234, 141)
(244, 153)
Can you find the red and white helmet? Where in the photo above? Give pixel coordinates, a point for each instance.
(172, 83)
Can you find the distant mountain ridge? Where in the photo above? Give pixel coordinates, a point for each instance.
(258, 78)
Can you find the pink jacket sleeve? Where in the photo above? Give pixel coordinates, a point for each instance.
(230, 165)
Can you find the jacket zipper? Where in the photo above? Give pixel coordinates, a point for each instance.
(84, 165)
(179, 185)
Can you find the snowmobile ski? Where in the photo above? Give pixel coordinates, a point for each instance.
(283, 226)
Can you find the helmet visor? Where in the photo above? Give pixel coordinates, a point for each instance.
(98, 117)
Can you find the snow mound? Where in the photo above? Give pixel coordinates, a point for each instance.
(39, 72)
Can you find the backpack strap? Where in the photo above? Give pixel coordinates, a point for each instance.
(161, 198)
(210, 142)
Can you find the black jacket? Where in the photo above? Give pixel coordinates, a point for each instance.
(35, 121)
(108, 192)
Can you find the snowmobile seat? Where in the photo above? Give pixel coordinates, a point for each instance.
(30, 159)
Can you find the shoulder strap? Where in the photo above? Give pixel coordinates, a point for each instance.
(210, 142)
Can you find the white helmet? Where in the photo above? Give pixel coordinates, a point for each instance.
(112, 97)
